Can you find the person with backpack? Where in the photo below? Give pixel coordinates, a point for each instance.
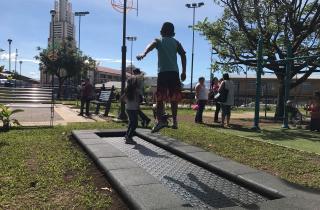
(226, 88)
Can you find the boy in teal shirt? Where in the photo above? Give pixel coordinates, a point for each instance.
(168, 83)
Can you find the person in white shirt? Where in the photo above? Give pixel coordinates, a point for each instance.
(226, 106)
(201, 98)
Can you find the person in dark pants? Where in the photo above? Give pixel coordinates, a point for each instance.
(202, 98)
(145, 120)
(215, 88)
(86, 96)
(131, 97)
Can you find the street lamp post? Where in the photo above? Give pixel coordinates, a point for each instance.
(20, 62)
(53, 13)
(131, 39)
(10, 41)
(15, 67)
(122, 115)
(80, 14)
(193, 6)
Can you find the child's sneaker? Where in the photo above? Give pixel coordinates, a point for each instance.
(159, 126)
(130, 141)
(175, 125)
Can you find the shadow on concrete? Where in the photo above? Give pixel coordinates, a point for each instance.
(148, 152)
(209, 195)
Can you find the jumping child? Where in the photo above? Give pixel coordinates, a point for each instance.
(168, 83)
(132, 98)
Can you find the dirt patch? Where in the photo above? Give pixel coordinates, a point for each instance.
(104, 186)
(101, 183)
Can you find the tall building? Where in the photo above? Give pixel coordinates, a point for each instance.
(63, 29)
(63, 22)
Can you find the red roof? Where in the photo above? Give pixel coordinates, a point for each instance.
(109, 71)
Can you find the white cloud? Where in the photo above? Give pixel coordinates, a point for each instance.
(5, 57)
(109, 60)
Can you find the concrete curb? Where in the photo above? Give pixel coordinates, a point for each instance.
(253, 179)
(138, 189)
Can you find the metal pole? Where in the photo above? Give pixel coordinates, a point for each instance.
(53, 13)
(287, 84)
(9, 40)
(20, 62)
(79, 32)
(192, 56)
(15, 68)
(266, 101)
(131, 56)
(258, 84)
(15, 62)
(122, 115)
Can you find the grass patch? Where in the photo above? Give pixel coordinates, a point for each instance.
(43, 168)
(292, 165)
(299, 139)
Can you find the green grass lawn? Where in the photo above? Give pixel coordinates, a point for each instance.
(299, 139)
(295, 166)
(43, 168)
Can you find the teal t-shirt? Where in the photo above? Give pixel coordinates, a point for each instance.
(167, 54)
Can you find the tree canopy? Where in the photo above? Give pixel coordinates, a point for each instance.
(234, 36)
(65, 61)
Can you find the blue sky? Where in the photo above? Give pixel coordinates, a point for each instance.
(27, 24)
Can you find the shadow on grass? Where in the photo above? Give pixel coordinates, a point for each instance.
(272, 135)
(302, 188)
(233, 127)
(3, 144)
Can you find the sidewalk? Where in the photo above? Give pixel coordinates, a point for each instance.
(35, 116)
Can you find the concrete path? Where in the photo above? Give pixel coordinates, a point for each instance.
(40, 115)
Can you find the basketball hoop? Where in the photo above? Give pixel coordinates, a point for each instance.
(118, 5)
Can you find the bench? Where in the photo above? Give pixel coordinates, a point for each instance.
(105, 99)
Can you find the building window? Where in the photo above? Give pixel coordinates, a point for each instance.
(307, 87)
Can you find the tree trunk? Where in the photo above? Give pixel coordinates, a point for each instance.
(60, 91)
(280, 102)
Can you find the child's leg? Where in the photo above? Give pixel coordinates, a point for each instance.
(174, 110)
(160, 108)
(133, 122)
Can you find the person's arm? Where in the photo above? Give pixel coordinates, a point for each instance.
(149, 48)
(182, 54)
(221, 86)
(198, 87)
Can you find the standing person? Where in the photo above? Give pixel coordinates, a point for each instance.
(202, 98)
(226, 106)
(132, 99)
(139, 76)
(86, 95)
(215, 89)
(314, 109)
(168, 83)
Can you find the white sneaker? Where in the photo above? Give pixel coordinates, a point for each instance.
(159, 126)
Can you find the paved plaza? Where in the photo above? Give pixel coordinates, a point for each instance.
(40, 115)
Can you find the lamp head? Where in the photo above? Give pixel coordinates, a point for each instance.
(188, 5)
(200, 4)
(53, 12)
(81, 13)
(9, 40)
